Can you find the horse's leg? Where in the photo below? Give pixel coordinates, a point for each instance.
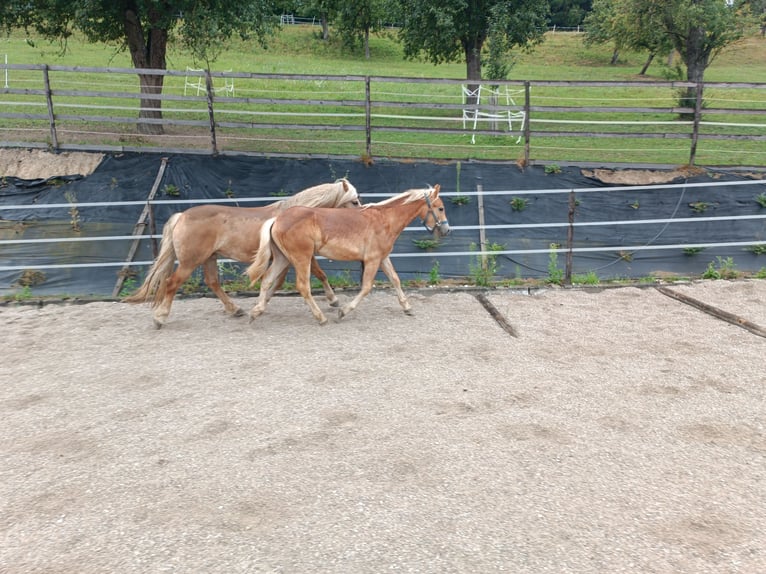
(370, 268)
(210, 270)
(388, 268)
(170, 287)
(303, 284)
(317, 272)
(270, 283)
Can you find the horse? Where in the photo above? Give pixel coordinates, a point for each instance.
(199, 235)
(367, 234)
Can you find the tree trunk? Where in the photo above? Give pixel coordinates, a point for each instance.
(147, 52)
(367, 43)
(615, 57)
(325, 27)
(473, 68)
(647, 64)
(697, 58)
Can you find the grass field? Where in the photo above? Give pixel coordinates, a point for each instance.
(563, 56)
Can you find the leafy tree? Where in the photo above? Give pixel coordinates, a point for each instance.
(698, 30)
(449, 30)
(619, 22)
(144, 28)
(355, 21)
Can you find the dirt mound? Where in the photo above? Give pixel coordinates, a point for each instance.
(41, 164)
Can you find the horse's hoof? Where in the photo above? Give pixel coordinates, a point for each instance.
(323, 321)
(158, 324)
(238, 312)
(335, 303)
(409, 312)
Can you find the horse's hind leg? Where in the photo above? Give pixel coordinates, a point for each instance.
(270, 283)
(388, 269)
(170, 287)
(317, 272)
(212, 279)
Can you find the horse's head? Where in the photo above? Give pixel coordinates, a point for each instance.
(349, 196)
(434, 212)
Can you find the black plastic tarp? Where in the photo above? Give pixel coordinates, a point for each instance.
(48, 266)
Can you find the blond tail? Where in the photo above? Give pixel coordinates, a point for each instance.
(261, 262)
(161, 269)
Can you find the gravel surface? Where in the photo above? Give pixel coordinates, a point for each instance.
(619, 431)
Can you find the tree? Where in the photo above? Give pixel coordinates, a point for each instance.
(617, 21)
(144, 28)
(355, 21)
(449, 30)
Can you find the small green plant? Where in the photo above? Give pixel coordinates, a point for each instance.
(625, 256)
(761, 273)
(725, 269)
(433, 275)
(128, 286)
(552, 168)
(341, 280)
(485, 267)
(519, 203)
(689, 251)
(590, 278)
(760, 199)
(228, 192)
(24, 294)
(74, 213)
(555, 275)
(171, 190)
(460, 199)
(699, 206)
(635, 204)
(426, 244)
(280, 193)
(758, 249)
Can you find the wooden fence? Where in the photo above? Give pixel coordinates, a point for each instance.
(528, 122)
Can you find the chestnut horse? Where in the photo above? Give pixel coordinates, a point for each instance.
(198, 236)
(367, 235)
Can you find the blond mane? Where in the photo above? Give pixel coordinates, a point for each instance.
(323, 195)
(405, 197)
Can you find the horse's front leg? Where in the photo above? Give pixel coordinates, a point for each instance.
(317, 272)
(368, 276)
(210, 271)
(303, 285)
(388, 269)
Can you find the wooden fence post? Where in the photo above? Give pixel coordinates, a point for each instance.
(570, 238)
(526, 123)
(51, 115)
(367, 117)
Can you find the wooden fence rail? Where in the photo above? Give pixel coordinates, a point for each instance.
(588, 122)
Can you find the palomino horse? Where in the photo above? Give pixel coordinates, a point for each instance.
(367, 235)
(198, 236)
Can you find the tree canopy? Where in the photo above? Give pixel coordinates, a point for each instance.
(144, 28)
(449, 30)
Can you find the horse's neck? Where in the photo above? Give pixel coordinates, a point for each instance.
(400, 215)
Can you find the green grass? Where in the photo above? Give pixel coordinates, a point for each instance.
(563, 56)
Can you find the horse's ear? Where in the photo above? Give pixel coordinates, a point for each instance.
(437, 187)
(344, 182)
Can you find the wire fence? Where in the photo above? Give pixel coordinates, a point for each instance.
(566, 234)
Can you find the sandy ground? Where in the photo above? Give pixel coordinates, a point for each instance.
(39, 164)
(619, 431)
